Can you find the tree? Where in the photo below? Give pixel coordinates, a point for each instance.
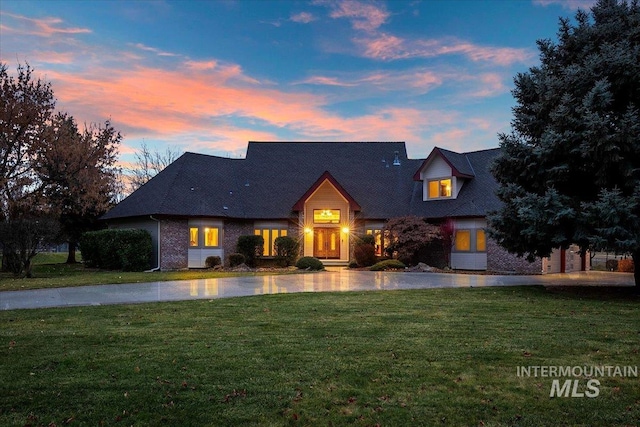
(78, 174)
(48, 169)
(570, 165)
(148, 164)
(26, 106)
(407, 235)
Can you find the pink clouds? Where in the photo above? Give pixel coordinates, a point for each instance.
(42, 27)
(388, 47)
(302, 18)
(363, 16)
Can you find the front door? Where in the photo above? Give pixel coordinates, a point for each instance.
(326, 243)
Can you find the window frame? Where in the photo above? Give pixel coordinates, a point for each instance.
(473, 240)
(439, 182)
(268, 250)
(334, 222)
(201, 236)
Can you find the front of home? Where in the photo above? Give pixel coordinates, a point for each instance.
(323, 193)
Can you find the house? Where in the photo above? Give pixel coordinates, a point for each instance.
(323, 193)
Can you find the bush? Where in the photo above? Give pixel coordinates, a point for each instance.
(367, 239)
(365, 255)
(212, 261)
(353, 264)
(309, 263)
(286, 250)
(612, 265)
(117, 249)
(252, 247)
(626, 266)
(389, 264)
(236, 259)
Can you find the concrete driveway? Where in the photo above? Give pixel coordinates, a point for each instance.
(328, 281)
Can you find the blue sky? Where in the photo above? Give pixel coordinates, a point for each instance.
(208, 76)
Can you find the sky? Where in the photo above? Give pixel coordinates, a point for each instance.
(209, 76)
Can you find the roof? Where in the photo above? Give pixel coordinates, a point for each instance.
(477, 196)
(275, 176)
(459, 163)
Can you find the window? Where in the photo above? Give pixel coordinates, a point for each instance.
(210, 237)
(440, 188)
(326, 216)
(378, 242)
(193, 236)
(481, 242)
(465, 240)
(270, 235)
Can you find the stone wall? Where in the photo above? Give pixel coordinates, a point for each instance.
(174, 244)
(499, 260)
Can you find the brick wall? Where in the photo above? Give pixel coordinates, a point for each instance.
(499, 260)
(174, 244)
(232, 230)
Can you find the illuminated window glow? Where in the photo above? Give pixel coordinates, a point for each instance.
(326, 216)
(193, 236)
(440, 188)
(269, 235)
(463, 240)
(211, 237)
(481, 242)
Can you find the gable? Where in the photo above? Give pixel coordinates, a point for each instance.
(326, 187)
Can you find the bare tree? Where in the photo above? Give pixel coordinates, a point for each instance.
(149, 163)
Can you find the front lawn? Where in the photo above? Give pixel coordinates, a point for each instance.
(50, 271)
(419, 357)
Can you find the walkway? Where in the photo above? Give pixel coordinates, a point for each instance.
(329, 281)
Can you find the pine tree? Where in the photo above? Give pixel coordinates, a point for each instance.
(571, 163)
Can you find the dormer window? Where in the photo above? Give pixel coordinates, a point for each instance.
(439, 188)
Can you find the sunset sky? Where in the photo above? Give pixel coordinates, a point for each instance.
(208, 76)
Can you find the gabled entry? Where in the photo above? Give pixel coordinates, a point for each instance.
(326, 210)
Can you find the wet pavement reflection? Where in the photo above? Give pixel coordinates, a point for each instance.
(329, 281)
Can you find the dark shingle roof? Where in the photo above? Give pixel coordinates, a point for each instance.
(274, 175)
(477, 196)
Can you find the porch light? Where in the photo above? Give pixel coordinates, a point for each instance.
(345, 230)
(307, 230)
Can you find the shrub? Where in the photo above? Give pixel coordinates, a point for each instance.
(407, 236)
(286, 250)
(353, 264)
(626, 266)
(252, 247)
(212, 261)
(389, 264)
(612, 265)
(236, 259)
(309, 263)
(365, 255)
(367, 239)
(117, 249)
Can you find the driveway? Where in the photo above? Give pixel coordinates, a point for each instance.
(328, 281)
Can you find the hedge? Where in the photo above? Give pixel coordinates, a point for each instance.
(309, 263)
(117, 249)
(286, 250)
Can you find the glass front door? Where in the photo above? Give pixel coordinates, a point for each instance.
(326, 243)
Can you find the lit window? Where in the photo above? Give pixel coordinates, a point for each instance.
(269, 235)
(481, 242)
(378, 242)
(211, 237)
(440, 188)
(193, 236)
(326, 216)
(463, 240)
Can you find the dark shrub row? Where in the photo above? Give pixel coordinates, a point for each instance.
(116, 249)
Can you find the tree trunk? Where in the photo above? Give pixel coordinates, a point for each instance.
(71, 258)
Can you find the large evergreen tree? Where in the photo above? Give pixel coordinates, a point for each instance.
(570, 168)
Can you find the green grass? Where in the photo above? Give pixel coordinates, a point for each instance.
(419, 357)
(50, 271)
